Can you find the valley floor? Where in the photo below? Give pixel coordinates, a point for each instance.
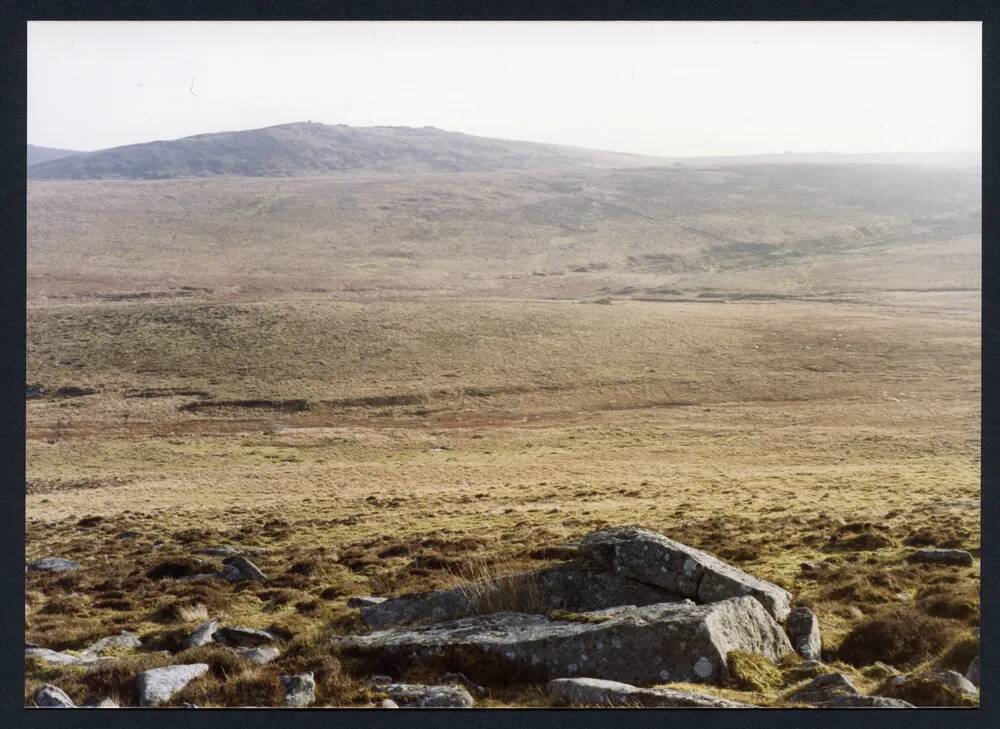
(386, 447)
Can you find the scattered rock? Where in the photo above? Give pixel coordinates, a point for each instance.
(387, 704)
(158, 684)
(124, 640)
(972, 672)
(381, 681)
(53, 697)
(53, 564)
(653, 644)
(239, 637)
(598, 692)
(954, 557)
(654, 559)
(241, 569)
(225, 551)
(300, 690)
(61, 658)
(824, 688)
(202, 635)
(437, 697)
(802, 627)
(362, 601)
(852, 701)
(259, 656)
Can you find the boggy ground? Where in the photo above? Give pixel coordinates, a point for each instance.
(381, 448)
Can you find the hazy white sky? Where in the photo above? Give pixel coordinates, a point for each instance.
(673, 89)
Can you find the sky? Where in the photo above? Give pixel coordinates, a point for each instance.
(660, 88)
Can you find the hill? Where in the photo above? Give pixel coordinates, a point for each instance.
(781, 229)
(307, 148)
(39, 155)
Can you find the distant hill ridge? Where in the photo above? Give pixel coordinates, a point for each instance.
(37, 155)
(309, 148)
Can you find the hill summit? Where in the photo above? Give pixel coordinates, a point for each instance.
(309, 148)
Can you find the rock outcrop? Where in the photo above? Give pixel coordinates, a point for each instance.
(654, 559)
(678, 641)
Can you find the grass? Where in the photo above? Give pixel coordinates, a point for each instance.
(751, 431)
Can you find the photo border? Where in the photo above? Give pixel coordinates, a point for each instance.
(12, 352)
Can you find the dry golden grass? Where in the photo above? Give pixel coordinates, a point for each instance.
(442, 436)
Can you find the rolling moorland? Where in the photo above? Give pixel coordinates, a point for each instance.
(383, 362)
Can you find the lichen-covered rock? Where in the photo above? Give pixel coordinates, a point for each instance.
(824, 688)
(857, 701)
(241, 569)
(61, 658)
(599, 692)
(802, 627)
(954, 557)
(237, 636)
(122, 641)
(53, 697)
(53, 564)
(300, 690)
(654, 559)
(427, 697)
(259, 656)
(575, 586)
(652, 644)
(158, 684)
(202, 635)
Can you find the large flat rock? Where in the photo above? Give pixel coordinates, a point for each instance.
(678, 641)
(652, 558)
(576, 586)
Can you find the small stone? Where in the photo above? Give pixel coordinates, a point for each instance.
(61, 658)
(124, 640)
(158, 684)
(598, 692)
(300, 690)
(852, 701)
(438, 697)
(53, 697)
(202, 635)
(239, 637)
(802, 627)
(224, 551)
(387, 704)
(241, 569)
(259, 656)
(53, 564)
(954, 557)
